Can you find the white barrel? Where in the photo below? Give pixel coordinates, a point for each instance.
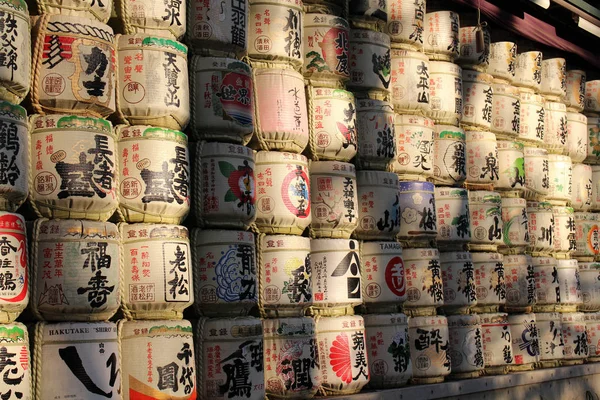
(577, 137)
(525, 340)
(481, 158)
(473, 53)
(343, 355)
(528, 72)
(155, 174)
(453, 218)
(429, 348)
(466, 345)
(593, 147)
(150, 17)
(485, 214)
(561, 178)
(515, 224)
(16, 161)
(100, 10)
(589, 276)
(575, 336)
(569, 294)
(73, 181)
(497, 340)
(490, 282)
(511, 166)
(376, 134)
(547, 286)
(334, 199)
(290, 342)
(325, 49)
(282, 91)
(449, 155)
(554, 78)
(283, 199)
(564, 230)
(152, 352)
(592, 96)
(550, 333)
(506, 110)
(424, 285)
(332, 124)
(66, 355)
(414, 147)
(157, 277)
(370, 62)
(520, 282)
(445, 90)
(503, 60)
(478, 98)
(537, 170)
(587, 235)
(581, 190)
(442, 30)
(555, 127)
(221, 100)
(226, 273)
(405, 23)
(592, 327)
(378, 207)
(84, 83)
(595, 188)
(383, 276)
(389, 350)
(225, 185)
(225, 345)
(533, 118)
(541, 227)
(15, 269)
(575, 99)
(458, 279)
(410, 85)
(15, 77)
(18, 368)
(417, 202)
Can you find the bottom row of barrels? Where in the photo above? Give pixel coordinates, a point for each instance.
(289, 357)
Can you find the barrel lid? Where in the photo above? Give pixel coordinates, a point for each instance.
(79, 331)
(517, 259)
(509, 145)
(403, 53)
(505, 89)
(572, 317)
(13, 111)
(408, 186)
(538, 206)
(585, 216)
(284, 242)
(494, 318)
(459, 256)
(437, 67)
(535, 151)
(419, 322)
(487, 257)
(370, 105)
(200, 63)
(469, 75)
(332, 167)
(205, 237)
(420, 254)
(318, 20)
(134, 232)
(485, 197)
(71, 122)
(266, 157)
(125, 42)
(559, 158)
(372, 248)
(152, 328)
(450, 192)
(288, 327)
(385, 319)
(566, 264)
(416, 120)
(449, 132)
(542, 261)
(331, 93)
(520, 319)
(371, 37)
(554, 106)
(562, 210)
(338, 324)
(376, 178)
(528, 97)
(333, 245)
(576, 117)
(513, 202)
(589, 266)
(459, 321)
(57, 229)
(126, 132)
(240, 328)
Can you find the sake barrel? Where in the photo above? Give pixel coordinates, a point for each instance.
(222, 100)
(378, 207)
(511, 166)
(550, 336)
(15, 76)
(533, 118)
(592, 327)
(497, 343)
(389, 350)
(282, 91)
(73, 181)
(520, 283)
(218, 28)
(589, 276)
(166, 20)
(466, 345)
(414, 147)
(16, 162)
(368, 13)
(283, 199)
(84, 83)
(485, 214)
(528, 71)
(577, 137)
(442, 30)
(68, 354)
(592, 96)
(490, 284)
(383, 276)
(547, 286)
(100, 10)
(503, 59)
(276, 34)
(288, 342)
(325, 49)
(370, 63)
(445, 90)
(481, 159)
(537, 169)
(13, 255)
(595, 188)
(478, 98)
(587, 236)
(424, 285)
(575, 338)
(575, 99)
(223, 345)
(429, 348)
(410, 81)
(332, 123)
(473, 53)
(458, 279)
(16, 349)
(581, 191)
(569, 294)
(152, 352)
(541, 227)
(506, 108)
(554, 79)
(376, 134)
(154, 169)
(593, 147)
(561, 178)
(449, 155)
(226, 282)
(525, 341)
(555, 131)
(515, 224)
(225, 185)
(405, 23)
(453, 218)
(417, 203)
(157, 275)
(564, 231)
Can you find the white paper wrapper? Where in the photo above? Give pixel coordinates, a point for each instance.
(595, 188)
(15, 341)
(520, 281)
(550, 334)
(561, 178)
(477, 99)
(497, 342)
(541, 227)
(424, 285)
(564, 230)
(490, 282)
(453, 218)
(592, 96)
(592, 326)
(429, 346)
(575, 98)
(165, 19)
(577, 137)
(485, 214)
(417, 203)
(16, 164)
(511, 166)
(458, 277)
(471, 55)
(378, 205)
(442, 35)
(581, 191)
(575, 336)
(15, 272)
(528, 73)
(370, 68)
(515, 223)
(569, 281)
(593, 148)
(410, 81)
(554, 78)
(481, 158)
(589, 275)
(376, 134)
(533, 118)
(406, 23)
(503, 59)
(547, 286)
(383, 276)
(15, 77)
(414, 147)
(466, 343)
(506, 108)
(537, 173)
(445, 89)
(525, 340)
(587, 235)
(100, 10)
(449, 163)
(555, 127)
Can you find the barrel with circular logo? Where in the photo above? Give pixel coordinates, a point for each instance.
(503, 59)
(418, 219)
(378, 205)
(15, 76)
(592, 327)
(575, 99)
(587, 236)
(405, 23)
(17, 353)
(577, 137)
(550, 338)
(14, 181)
(376, 134)
(150, 17)
(474, 54)
(225, 269)
(424, 285)
(458, 279)
(222, 100)
(225, 186)
(223, 345)
(414, 147)
(478, 97)
(511, 167)
(592, 96)
(146, 154)
(595, 188)
(100, 10)
(410, 85)
(541, 227)
(147, 94)
(520, 283)
(561, 179)
(589, 276)
(490, 284)
(506, 108)
(445, 90)
(528, 71)
(371, 14)
(533, 118)
(485, 214)
(332, 124)
(70, 353)
(515, 225)
(547, 287)
(525, 341)
(466, 346)
(575, 337)
(564, 231)
(84, 83)
(429, 352)
(283, 198)
(448, 155)
(593, 142)
(453, 218)
(370, 63)
(157, 272)
(383, 276)
(569, 293)
(554, 79)
(581, 191)
(555, 127)
(15, 271)
(537, 169)
(334, 199)
(497, 343)
(481, 160)
(442, 29)
(289, 342)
